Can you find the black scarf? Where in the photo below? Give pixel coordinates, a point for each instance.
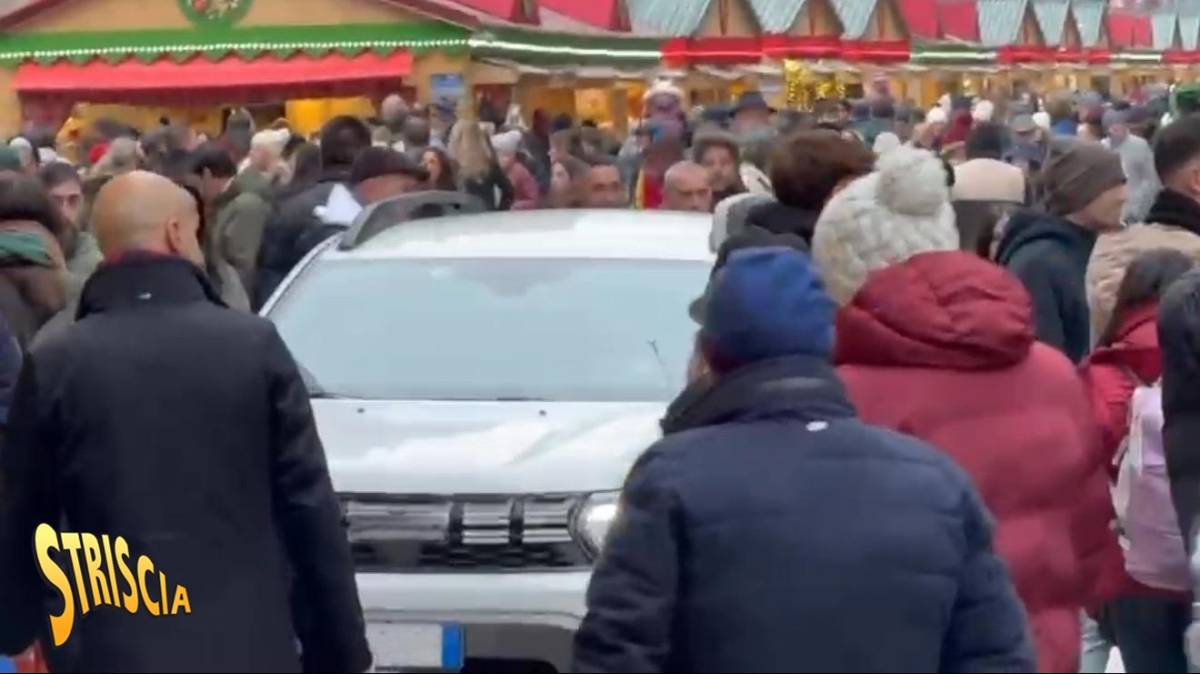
(1175, 209)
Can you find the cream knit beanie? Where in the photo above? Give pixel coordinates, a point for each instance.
(884, 218)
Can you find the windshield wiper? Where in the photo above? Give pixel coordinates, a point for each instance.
(662, 366)
(325, 395)
(315, 390)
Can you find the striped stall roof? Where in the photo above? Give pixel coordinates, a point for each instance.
(1163, 25)
(1089, 19)
(1130, 31)
(606, 14)
(776, 16)
(517, 11)
(1000, 21)
(1189, 30)
(921, 17)
(960, 19)
(671, 18)
(1052, 19)
(855, 16)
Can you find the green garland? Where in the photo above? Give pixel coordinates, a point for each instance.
(948, 53)
(549, 48)
(246, 43)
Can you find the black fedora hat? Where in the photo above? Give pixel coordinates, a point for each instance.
(752, 100)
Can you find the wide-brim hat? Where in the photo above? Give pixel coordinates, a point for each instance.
(1022, 123)
(752, 100)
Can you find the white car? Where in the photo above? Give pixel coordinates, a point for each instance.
(483, 384)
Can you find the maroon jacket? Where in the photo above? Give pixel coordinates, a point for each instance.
(1112, 374)
(942, 347)
(525, 187)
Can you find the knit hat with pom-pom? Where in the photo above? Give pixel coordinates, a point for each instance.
(884, 218)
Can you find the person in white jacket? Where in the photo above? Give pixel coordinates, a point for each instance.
(1137, 160)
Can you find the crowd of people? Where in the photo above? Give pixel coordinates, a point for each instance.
(942, 412)
(996, 289)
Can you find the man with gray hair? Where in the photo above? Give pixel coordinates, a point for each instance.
(687, 187)
(25, 151)
(416, 136)
(393, 112)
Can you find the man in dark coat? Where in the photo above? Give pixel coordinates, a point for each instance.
(1179, 339)
(1084, 189)
(773, 531)
(122, 427)
(10, 368)
(294, 229)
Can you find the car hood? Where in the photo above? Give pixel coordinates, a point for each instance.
(411, 447)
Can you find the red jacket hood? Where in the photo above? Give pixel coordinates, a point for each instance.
(948, 310)
(1135, 345)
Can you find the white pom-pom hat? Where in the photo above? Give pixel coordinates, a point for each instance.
(882, 219)
(983, 111)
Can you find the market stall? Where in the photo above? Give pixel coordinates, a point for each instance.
(586, 73)
(927, 48)
(191, 58)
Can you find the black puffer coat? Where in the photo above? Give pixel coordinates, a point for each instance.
(1179, 339)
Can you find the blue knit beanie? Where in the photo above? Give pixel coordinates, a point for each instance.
(767, 303)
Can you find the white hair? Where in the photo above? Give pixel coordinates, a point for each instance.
(678, 169)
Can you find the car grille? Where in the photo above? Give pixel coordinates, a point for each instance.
(466, 534)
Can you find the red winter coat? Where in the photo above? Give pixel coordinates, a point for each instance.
(1110, 378)
(942, 347)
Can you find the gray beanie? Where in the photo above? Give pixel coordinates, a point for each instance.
(1078, 175)
(1112, 117)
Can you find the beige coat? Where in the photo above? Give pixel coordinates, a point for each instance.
(1114, 252)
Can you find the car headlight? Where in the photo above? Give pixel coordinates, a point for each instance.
(594, 519)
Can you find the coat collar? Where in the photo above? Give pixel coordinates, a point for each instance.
(802, 387)
(144, 278)
(1175, 209)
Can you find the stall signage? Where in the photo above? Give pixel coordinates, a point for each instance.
(447, 88)
(215, 13)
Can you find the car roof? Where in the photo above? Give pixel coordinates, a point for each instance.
(561, 233)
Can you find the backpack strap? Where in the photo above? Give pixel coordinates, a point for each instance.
(1137, 379)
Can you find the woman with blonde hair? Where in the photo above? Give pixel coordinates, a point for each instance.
(479, 172)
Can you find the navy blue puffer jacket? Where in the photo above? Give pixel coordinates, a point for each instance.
(773, 531)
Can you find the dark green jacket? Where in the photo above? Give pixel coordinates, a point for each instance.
(241, 215)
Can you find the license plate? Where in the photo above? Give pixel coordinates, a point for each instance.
(416, 646)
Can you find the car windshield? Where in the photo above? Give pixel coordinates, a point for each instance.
(493, 329)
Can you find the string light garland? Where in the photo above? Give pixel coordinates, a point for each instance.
(231, 46)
